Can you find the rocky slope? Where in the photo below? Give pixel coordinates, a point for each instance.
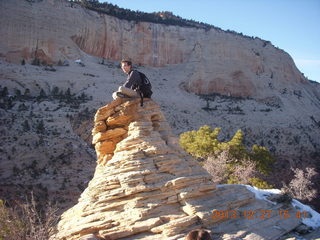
(45, 140)
(146, 187)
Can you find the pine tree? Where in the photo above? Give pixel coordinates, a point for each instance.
(40, 127)
(237, 149)
(201, 143)
(263, 159)
(25, 126)
(68, 94)
(55, 91)
(4, 92)
(42, 93)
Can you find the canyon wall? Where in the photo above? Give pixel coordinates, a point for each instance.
(221, 62)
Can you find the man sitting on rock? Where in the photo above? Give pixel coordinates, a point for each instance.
(133, 80)
(137, 84)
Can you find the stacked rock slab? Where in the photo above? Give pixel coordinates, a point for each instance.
(146, 187)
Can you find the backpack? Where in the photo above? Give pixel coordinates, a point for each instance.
(144, 89)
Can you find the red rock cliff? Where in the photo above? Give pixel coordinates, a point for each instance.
(220, 62)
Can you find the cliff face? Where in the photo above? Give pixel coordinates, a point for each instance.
(145, 187)
(221, 62)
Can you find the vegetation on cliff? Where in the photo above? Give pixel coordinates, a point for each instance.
(230, 161)
(27, 221)
(41, 123)
(165, 17)
(65, 96)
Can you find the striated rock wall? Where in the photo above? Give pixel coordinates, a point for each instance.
(219, 62)
(58, 29)
(146, 187)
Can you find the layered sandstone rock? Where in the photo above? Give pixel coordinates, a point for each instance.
(216, 61)
(146, 187)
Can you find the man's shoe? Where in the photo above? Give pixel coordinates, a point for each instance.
(122, 95)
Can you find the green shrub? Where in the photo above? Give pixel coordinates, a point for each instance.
(233, 180)
(259, 183)
(12, 227)
(204, 142)
(237, 149)
(241, 165)
(201, 143)
(263, 159)
(255, 181)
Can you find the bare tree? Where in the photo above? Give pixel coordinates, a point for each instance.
(224, 167)
(301, 186)
(11, 226)
(27, 221)
(245, 171)
(217, 166)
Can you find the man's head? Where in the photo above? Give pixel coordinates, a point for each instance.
(126, 65)
(198, 234)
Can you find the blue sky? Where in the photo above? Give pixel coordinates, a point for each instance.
(292, 25)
